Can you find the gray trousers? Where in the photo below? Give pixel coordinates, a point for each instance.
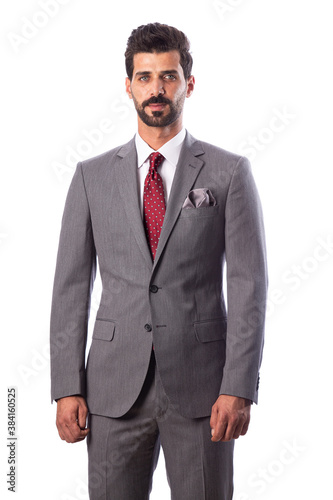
(123, 452)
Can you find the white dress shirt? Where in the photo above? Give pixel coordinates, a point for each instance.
(170, 150)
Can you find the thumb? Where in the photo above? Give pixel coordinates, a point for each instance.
(82, 415)
(213, 420)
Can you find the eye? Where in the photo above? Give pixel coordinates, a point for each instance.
(170, 77)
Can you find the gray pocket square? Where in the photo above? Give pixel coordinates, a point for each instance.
(201, 197)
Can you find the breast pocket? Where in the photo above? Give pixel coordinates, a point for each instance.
(199, 212)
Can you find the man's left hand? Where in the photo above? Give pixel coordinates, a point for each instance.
(230, 418)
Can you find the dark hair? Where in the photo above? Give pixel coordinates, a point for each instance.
(156, 37)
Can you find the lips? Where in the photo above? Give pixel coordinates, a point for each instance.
(157, 107)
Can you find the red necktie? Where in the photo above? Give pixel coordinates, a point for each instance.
(153, 202)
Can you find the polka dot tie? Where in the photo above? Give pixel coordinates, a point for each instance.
(153, 202)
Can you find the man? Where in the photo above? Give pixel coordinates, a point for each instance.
(167, 365)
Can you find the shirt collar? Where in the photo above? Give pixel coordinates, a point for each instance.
(170, 150)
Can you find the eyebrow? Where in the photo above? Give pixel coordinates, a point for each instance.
(166, 72)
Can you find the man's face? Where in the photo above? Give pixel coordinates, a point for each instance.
(158, 87)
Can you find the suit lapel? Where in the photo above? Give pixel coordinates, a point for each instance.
(127, 177)
(187, 171)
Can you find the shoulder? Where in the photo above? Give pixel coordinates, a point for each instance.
(108, 158)
(217, 156)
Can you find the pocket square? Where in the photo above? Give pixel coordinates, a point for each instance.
(200, 197)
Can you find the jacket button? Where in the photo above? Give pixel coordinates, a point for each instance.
(153, 288)
(148, 327)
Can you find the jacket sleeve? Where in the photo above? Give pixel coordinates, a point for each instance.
(246, 285)
(73, 282)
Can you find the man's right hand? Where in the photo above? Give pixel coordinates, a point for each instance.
(72, 413)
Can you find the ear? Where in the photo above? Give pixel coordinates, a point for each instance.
(190, 85)
(128, 87)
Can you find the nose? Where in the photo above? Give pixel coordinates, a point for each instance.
(157, 88)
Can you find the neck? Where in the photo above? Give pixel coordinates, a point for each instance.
(155, 137)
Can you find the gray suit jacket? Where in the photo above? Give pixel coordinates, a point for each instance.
(175, 303)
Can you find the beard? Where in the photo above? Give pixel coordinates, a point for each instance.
(158, 119)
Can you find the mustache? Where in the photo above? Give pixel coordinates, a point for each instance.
(156, 100)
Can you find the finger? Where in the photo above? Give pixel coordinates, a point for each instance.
(245, 427)
(232, 424)
(238, 430)
(61, 430)
(240, 427)
(72, 433)
(82, 416)
(69, 429)
(61, 435)
(64, 433)
(213, 420)
(219, 430)
(228, 434)
(246, 421)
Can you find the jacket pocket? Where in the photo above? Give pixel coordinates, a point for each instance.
(210, 330)
(200, 211)
(104, 329)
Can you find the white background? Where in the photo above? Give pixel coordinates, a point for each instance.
(254, 60)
